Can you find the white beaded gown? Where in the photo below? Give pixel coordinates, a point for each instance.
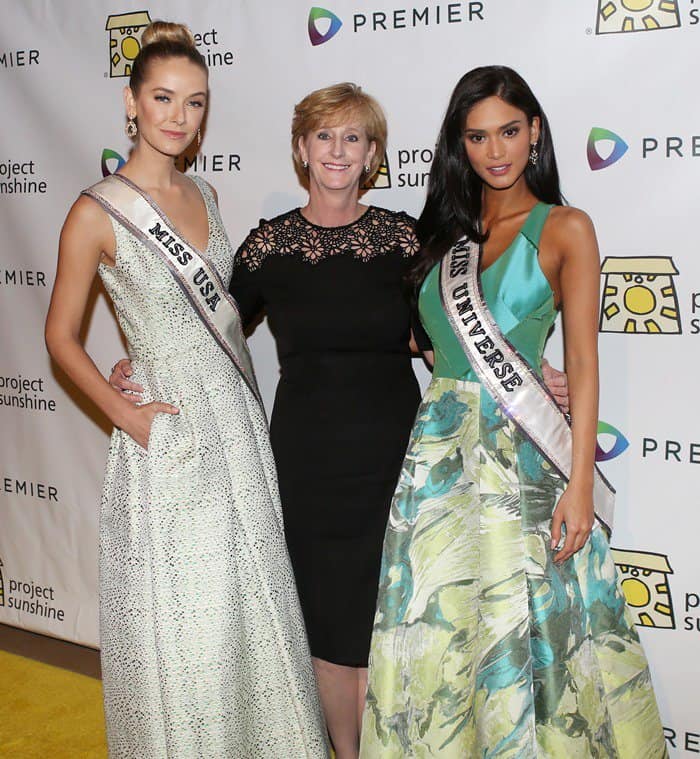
(204, 652)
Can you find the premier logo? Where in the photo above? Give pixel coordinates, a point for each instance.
(111, 157)
(430, 14)
(332, 27)
(620, 443)
(11, 59)
(413, 17)
(597, 135)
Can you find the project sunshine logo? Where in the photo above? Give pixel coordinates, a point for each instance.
(323, 25)
(639, 296)
(622, 16)
(644, 580)
(382, 179)
(28, 597)
(618, 147)
(125, 30)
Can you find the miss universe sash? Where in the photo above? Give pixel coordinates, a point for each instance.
(505, 374)
(193, 272)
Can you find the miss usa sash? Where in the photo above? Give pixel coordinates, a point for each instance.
(505, 374)
(193, 272)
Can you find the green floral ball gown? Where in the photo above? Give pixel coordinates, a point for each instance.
(482, 646)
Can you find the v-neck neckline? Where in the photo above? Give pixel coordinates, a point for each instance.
(149, 199)
(511, 244)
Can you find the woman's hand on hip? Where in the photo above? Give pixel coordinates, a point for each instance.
(139, 420)
(119, 380)
(557, 384)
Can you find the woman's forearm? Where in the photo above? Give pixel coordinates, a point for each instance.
(70, 355)
(583, 393)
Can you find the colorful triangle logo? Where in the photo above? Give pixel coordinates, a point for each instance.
(315, 15)
(595, 160)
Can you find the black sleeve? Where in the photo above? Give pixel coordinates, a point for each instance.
(408, 242)
(246, 282)
(419, 333)
(246, 291)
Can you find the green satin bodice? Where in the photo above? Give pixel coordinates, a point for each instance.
(517, 294)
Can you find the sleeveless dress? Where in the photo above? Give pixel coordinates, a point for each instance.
(482, 646)
(202, 640)
(344, 405)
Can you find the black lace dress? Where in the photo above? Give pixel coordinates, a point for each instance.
(344, 406)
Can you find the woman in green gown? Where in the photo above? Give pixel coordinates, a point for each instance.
(500, 629)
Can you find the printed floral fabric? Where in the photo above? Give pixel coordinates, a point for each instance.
(482, 646)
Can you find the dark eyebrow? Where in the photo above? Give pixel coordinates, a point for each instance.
(172, 92)
(505, 126)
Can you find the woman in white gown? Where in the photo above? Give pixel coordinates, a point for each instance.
(203, 645)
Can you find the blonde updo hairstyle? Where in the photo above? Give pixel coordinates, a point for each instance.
(164, 39)
(333, 106)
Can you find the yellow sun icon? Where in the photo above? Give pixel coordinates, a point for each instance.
(382, 179)
(643, 579)
(639, 296)
(125, 30)
(618, 16)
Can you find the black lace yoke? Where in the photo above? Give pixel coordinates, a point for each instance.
(375, 233)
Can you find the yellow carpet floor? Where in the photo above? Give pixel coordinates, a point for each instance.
(49, 713)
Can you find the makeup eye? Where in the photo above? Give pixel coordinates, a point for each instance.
(476, 138)
(323, 136)
(162, 98)
(197, 103)
(512, 131)
(352, 138)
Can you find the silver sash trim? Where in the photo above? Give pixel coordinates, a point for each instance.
(506, 375)
(194, 273)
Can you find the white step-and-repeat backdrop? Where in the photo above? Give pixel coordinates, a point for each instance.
(619, 80)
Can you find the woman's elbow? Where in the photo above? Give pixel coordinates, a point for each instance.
(51, 339)
(55, 338)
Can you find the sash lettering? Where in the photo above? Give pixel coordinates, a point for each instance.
(505, 374)
(493, 358)
(176, 249)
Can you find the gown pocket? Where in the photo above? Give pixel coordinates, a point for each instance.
(171, 445)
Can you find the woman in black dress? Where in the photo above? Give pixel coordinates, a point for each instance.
(330, 278)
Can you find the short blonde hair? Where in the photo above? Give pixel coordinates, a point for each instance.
(331, 106)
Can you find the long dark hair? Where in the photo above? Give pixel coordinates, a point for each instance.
(453, 203)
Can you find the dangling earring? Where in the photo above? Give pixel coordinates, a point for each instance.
(305, 164)
(534, 155)
(366, 169)
(131, 129)
(199, 137)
